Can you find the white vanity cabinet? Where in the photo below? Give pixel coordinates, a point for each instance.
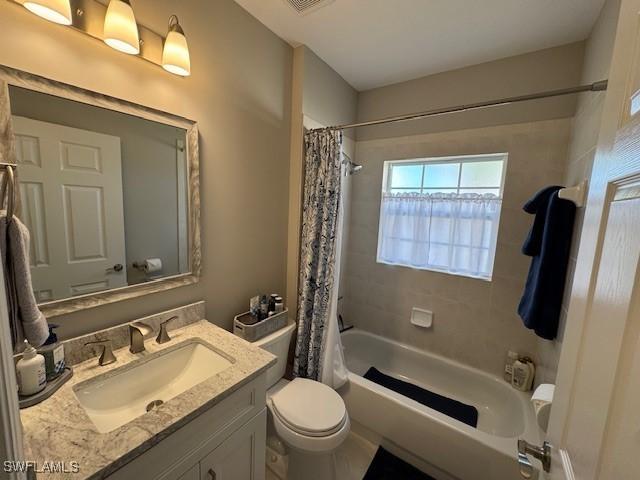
(225, 442)
(192, 474)
(241, 456)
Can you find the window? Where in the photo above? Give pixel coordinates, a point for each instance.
(442, 214)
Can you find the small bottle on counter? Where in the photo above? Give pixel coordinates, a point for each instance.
(272, 302)
(264, 307)
(254, 306)
(279, 305)
(31, 371)
(53, 353)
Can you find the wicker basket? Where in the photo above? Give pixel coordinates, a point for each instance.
(244, 325)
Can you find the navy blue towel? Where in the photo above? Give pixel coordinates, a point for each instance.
(454, 409)
(386, 466)
(549, 244)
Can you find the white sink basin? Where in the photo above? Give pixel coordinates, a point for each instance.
(115, 399)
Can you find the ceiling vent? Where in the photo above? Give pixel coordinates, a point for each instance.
(303, 7)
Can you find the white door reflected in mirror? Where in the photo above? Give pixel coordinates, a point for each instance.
(101, 191)
(71, 196)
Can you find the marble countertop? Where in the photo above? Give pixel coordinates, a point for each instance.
(59, 430)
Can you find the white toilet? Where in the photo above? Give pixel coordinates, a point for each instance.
(309, 417)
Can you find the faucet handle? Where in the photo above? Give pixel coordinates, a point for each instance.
(163, 336)
(542, 453)
(106, 356)
(526, 467)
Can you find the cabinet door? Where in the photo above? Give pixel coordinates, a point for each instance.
(241, 456)
(192, 474)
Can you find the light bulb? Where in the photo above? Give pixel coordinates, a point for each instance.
(120, 28)
(57, 11)
(175, 54)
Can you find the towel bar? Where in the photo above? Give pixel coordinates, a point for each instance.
(575, 194)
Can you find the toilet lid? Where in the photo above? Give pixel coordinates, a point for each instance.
(309, 407)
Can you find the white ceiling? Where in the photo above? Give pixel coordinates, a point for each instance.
(378, 42)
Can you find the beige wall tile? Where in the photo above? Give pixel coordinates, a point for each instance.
(475, 321)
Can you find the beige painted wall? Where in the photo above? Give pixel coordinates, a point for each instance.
(320, 97)
(327, 97)
(584, 137)
(149, 172)
(239, 93)
(552, 68)
(475, 321)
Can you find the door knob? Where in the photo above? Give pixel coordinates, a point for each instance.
(118, 267)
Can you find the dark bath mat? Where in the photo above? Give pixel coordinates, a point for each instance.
(386, 466)
(454, 409)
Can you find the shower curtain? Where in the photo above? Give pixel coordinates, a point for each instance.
(318, 353)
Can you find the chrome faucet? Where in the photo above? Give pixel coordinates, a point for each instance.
(542, 453)
(106, 356)
(137, 331)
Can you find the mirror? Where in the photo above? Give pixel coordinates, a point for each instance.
(106, 195)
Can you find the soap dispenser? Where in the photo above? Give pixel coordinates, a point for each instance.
(53, 353)
(30, 371)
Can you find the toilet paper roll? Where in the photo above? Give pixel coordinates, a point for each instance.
(152, 265)
(542, 399)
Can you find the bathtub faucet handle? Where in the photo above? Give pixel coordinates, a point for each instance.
(541, 453)
(526, 468)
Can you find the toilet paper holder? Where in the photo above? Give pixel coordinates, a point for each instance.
(148, 265)
(138, 266)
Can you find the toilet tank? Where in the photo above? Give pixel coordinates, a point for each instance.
(277, 344)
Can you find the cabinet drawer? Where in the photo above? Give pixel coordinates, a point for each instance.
(177, 453)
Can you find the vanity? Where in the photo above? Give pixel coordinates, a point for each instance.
(191, 408)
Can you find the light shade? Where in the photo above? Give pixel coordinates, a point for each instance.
(57, 11)
(175, 55)
(120, 28)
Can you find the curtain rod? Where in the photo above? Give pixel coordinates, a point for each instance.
(593, 87)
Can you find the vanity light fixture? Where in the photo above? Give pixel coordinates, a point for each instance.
(120, 28)
(114, 23)
(57, 11)
(175, 53)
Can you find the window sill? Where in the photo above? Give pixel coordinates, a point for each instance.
(436, 270)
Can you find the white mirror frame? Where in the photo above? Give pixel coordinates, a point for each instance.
(12, 77)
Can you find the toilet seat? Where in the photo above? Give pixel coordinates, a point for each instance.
(302, 431)
(309, 408)
(309, 415)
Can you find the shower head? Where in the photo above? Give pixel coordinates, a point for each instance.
(352, 167)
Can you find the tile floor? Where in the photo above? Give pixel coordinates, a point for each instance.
(352, 458)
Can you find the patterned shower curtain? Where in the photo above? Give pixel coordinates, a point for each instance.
(321, 205)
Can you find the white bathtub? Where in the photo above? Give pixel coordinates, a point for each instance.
(487, 452)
